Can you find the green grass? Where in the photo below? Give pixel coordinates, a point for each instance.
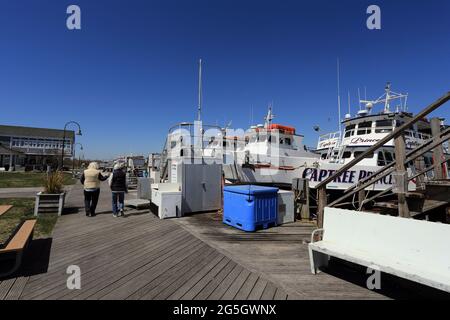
(23, 210)
(28, 179)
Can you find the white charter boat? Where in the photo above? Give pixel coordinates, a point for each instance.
(294, 160)
(265, 154)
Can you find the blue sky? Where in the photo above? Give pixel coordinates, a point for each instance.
(131, 72)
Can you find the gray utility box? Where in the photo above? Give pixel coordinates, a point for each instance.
(286, 212)
(201, 186)
(144, 190)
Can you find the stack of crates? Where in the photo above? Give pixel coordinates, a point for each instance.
(250, 207)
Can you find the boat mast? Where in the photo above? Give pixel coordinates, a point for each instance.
(199, 110)
(269, 117)
(388, 97)
(339, 98)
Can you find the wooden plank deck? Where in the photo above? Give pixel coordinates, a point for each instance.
(195, 257)
(136, 257)
(280, 255)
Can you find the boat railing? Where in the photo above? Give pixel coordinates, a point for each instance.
(330, 136)
(398, 167)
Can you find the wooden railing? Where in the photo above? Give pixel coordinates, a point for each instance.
(399, 165)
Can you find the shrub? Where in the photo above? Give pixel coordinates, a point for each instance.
(54, 183)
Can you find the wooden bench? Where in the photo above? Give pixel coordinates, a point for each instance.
(4, 209)
(416, 250)
(16, 246)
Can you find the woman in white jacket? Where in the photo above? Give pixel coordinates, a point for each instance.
(91, 179)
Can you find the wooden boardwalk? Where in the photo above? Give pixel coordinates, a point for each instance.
(280, 255)
(195, 257)
(136, 257)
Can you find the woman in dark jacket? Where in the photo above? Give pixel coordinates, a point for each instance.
(118, 186)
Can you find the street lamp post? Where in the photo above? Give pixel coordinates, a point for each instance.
(64, 140)
(73, 158)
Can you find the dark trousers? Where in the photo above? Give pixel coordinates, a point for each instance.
(90, 201)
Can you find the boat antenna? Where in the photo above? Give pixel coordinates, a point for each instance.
(199, 110)
(359, 99)
(348, 102)
(339, 96)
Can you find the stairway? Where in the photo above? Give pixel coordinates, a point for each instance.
(431, 203)
(163, 164)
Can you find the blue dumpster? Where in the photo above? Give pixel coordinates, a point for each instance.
(249, 207)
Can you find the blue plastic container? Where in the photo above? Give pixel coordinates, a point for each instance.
(249, 207)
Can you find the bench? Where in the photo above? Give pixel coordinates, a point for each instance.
(416, 250)
(16, 246)
(4, 209)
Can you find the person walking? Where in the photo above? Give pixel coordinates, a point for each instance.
(91, 179)
(118, 184)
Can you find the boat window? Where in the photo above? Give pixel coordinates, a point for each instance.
(367, 124)
(253, 138)
(323, 156)
(364, 131)
(349, 133)
(173, 144)
(381, 162)
(281, 141)
(346, 154)
(384, 130)
(262, 138)
(388, 157)
(409, 134)
(350, 127)
(364, 128)
(383, 123)
(398, 123)
(428, 161)
(358, 153)
(287, 141)
(383, 126)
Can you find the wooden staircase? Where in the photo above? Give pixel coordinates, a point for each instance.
(430, 200)
(432, 203)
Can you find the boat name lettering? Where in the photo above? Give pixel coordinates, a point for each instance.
(363, 140)
(348, 176)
